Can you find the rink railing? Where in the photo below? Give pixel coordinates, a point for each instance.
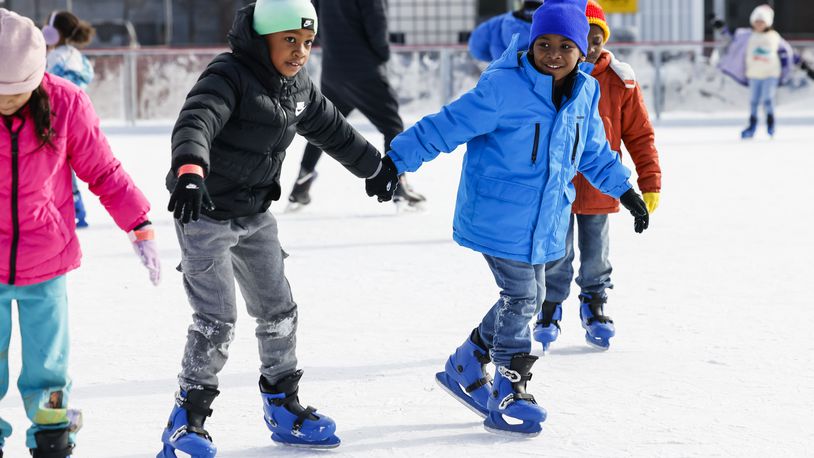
(151, 83)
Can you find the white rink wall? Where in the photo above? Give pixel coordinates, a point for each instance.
(150, 85)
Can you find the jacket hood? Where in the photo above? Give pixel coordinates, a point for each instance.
(252, 50)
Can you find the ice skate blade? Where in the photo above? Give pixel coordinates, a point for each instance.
(294, 207)
(527, 429)
(169, 452)
(403, 205)
(291, 441)
(441, 379)
(598, 344)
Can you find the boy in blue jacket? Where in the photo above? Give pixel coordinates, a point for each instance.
(491, 38)
(530, 124)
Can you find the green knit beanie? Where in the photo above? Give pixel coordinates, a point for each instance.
(272, 16)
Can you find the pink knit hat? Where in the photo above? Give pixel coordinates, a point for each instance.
(23, 49)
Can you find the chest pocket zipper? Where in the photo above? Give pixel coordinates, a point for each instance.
(576, 144)
(536, 143)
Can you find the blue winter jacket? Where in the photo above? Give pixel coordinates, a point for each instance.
(491, 38)
(515, 193)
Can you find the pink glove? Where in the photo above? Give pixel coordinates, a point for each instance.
(144, 245)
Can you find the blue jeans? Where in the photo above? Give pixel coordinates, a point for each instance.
(505, 328)
(762, 91)
(43, 382)
(594, 266)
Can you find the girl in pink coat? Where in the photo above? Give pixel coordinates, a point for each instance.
(47, 127)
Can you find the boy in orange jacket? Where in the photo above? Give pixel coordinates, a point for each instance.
(625, 116)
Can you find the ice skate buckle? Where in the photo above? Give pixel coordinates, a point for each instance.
(510, 375)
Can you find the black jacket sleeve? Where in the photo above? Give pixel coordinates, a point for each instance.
(327, 129)
(208, 107)
(374, 20)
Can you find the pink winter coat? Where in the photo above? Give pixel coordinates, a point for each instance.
(43, 245)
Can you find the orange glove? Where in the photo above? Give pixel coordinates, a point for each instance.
(651, 199)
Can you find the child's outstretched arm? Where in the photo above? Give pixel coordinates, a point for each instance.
(475, 113)
(604, 170)
(327, 129)
(639, 138)
(91, 158)
(206, 110)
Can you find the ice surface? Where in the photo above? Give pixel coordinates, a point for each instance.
(713, 353)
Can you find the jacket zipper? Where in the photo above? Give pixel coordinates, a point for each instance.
(576, 144)
(15, 217)
(536, 143)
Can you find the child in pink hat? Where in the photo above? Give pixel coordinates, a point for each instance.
(48, 127)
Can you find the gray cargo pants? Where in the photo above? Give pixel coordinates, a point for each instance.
(214, 254)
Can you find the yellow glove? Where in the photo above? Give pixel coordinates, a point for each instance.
(651, 199)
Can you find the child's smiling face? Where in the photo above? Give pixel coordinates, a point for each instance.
(555, 55)
(290, 50)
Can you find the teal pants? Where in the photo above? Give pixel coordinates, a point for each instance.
(43, 383)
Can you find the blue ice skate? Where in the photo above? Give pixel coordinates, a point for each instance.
(465, 377)
(509, 399)
(749, 132)
(184, 431)
(78, 205)
(289, 422)
(598, 327)
(770, 124)
(547, 328)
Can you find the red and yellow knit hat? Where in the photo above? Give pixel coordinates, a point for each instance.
(596, 16)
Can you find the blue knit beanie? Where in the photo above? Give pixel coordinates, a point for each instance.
(562, 17)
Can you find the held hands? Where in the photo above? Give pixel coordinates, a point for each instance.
(651, 199)
(143, 240)
(189, 194)
(383, 183)
(637, 208)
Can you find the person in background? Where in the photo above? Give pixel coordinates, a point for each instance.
(760, 58)
(355, 52)
(490, 39)
(47, 128)
(530, 124)
(626, 121)
(65, 34)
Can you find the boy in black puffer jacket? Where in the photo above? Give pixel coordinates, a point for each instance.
(228, 146)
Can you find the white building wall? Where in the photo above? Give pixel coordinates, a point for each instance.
(431, 22)
(663, 20)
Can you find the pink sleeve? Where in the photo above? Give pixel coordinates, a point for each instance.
(91, 158)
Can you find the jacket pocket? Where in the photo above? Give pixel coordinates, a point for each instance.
(536, 146)
(504, 211)
(576, 146)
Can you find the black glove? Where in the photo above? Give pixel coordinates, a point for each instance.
(188, 196)
(384, 183)
(634, 203)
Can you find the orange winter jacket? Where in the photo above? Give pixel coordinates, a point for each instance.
(625, 116)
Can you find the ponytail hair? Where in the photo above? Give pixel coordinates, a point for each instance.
(73, 30)
(40, 106)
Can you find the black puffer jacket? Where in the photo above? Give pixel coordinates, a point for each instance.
(354, 39)
(240, 117)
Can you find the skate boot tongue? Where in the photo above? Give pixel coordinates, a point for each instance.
(197, 405)
(596, 304)
(285, 394)
(519, 372)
